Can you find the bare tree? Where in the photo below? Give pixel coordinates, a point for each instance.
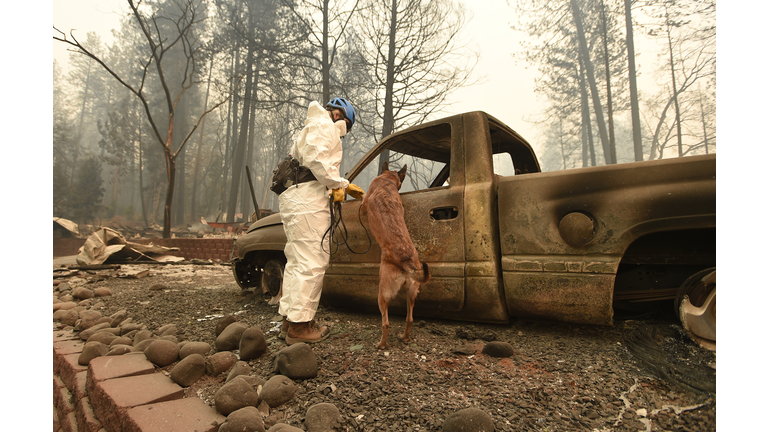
(637, 133)
(687, 30)
(324, 22)
(608, 152)
(575, 45)
(415, 59)
(187, 16)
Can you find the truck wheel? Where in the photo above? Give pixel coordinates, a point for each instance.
(247, 276)
(272, 277)
(696, 307)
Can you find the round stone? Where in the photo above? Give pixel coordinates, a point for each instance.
(188, 370)
(190, 348)
(498, 349)
(278, 390)
(234, 395)
(252, 344)
(162, 352)
(469, 420)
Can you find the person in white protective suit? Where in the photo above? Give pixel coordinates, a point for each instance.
(305, 213)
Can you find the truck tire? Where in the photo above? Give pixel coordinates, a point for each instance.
(272, 277)
(247, 275)
(695, 305)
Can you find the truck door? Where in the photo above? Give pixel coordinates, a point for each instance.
(434, 216)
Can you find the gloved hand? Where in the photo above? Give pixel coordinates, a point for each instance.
(355, 191)
(338, 195)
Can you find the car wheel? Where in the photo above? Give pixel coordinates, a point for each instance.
(272, 277)
(247, 275)
(696, 307)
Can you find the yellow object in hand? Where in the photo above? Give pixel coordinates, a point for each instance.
(338, 195)
(355, 191)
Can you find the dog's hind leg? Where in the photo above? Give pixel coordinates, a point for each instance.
(390, 281)
(412, 291)
(386, 281)
(384, 309)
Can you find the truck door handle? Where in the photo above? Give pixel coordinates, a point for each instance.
(444, 213)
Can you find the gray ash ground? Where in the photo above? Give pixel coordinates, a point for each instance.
(562, 377)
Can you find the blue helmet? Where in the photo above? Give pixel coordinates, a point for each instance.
(344, 106)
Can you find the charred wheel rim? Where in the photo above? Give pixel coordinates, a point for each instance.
(696, 307)
(272, 277)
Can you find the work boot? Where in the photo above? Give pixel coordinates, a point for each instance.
(283, 329)
(307, 332)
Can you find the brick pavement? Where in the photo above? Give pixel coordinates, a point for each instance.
(120, 394)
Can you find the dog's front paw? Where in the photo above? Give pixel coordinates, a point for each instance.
(382, 345)
(405, 339)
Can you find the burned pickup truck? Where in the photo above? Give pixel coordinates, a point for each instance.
(503, 239)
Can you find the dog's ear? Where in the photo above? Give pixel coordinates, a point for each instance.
(401, 173)
(384, 167)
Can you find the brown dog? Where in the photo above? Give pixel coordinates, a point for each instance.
(400, 265)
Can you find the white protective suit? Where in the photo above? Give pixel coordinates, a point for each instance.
(305, 213)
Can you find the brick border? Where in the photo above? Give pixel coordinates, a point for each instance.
(120, 394)
(204, 248)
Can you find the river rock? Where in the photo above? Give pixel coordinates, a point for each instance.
(118, 318)
(141, 346)
(102, 292)
(121, 340)
(297, 361)
(190, 348)
(278, 390)
(103, 319)
(130, 334)
(110, 330)
(498, 349)
(252, 344)
(229, 339)
(188, 370)
(219, 363)
(70, 317)
(119, 349)
(469, 420)
(162, 352)
(64, 305)
(59, 313)
(322, 417)
(171, 338)
(234, 395)
(247, 419)
(126, 328)
(82, 293)
(88, 319)
(168, 329)
(90, 331)
(240, 368)
(103, 337)
(142, 335)
(282, 427)
(91, 350)
(254, 381)
(224, 323)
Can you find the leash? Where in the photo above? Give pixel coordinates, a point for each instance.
(337, 222)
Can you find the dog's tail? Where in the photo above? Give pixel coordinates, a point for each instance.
(425, 276)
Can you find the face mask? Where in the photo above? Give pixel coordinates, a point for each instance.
(341, 127)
